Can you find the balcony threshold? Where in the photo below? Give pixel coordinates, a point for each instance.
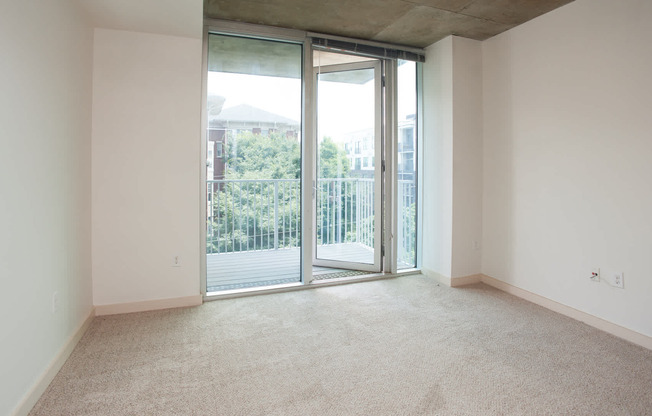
(290, 287)
(251, 290)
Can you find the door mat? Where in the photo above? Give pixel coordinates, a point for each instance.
(336, 275)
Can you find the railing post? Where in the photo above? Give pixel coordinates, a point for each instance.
(400, 226)
(358, 211)
(215, 206)
(339, 211)
(275, 215)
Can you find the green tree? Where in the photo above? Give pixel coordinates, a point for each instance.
(255, 214)
(275, 156)
(333, 162)
(258, 156)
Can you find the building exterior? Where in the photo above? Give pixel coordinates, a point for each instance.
(359, 147)
(238, 119)
(406, 168)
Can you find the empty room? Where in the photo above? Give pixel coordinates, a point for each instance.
(343, 207)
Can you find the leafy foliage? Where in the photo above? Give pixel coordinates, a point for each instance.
(258, 156)
(407, 246)
(253, 215)
(333, 162)
(249, 212)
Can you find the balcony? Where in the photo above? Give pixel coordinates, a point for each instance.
(253, 233)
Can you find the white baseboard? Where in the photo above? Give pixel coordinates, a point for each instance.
(37, 390)
(452, 281)
(445, 280)
(594, 321)
(148, 305)
(466, 280)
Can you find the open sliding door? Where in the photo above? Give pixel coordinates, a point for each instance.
(348, 176)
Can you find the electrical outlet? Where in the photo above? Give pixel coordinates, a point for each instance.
(595, 274)
(176, 261)
(55, 302)
(618, 280)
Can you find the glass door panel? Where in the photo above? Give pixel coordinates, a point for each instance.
(407, 165)
(253, 171)
(348, 174)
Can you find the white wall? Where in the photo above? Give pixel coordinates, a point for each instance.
(452, 153)
(467, 157)
(437, 155)
(567, 157)
(146, 160)
(45, 129)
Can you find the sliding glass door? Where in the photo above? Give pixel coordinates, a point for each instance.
(311, 159)
(253, 166)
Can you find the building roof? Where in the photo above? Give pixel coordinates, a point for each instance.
(245, 113)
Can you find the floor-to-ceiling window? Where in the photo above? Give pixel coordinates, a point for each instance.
(407, 147)
(311, 160)
(253, 167)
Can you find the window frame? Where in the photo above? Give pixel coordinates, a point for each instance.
(390, 145)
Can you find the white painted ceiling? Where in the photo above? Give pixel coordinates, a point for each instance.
(166, 17)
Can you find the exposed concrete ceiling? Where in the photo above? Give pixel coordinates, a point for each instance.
(403, 22)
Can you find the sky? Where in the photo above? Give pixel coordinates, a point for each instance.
(277, 95)
(343, 107)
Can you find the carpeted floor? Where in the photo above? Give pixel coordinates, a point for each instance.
(404, 346)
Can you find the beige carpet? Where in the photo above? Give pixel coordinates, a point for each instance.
(403, 346)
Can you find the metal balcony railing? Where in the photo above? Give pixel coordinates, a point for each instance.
(265, 214)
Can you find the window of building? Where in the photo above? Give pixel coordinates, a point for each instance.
(219, 149)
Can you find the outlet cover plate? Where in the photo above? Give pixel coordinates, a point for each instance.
(618, 280)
